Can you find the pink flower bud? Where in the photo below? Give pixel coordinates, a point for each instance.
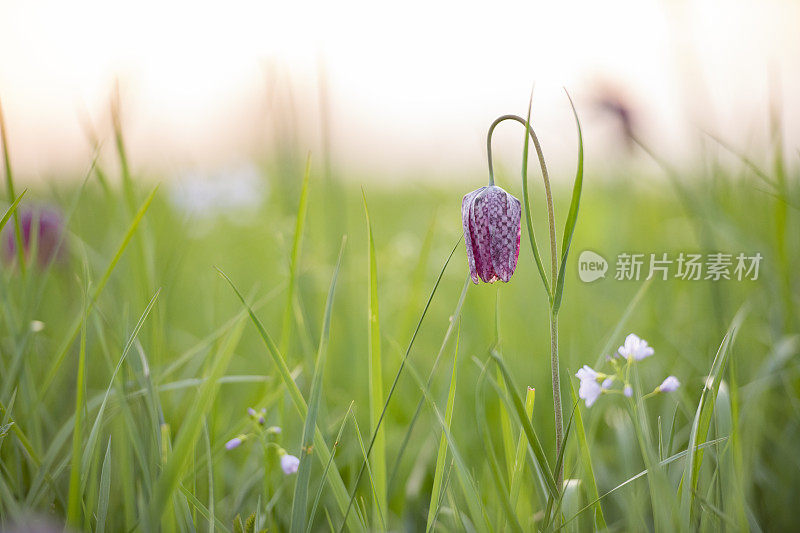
(492, 231)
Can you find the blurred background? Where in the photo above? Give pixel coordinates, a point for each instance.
(403, 92)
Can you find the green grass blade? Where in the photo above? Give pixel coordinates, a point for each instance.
(640, 475)
(189, 432)
(89, 447)
(11, 209)
(468, 485)
(519, 457)
(202, 509)
(441, 455)
(533, 440)
(527, 205)
(75, 330)
(375, 369)
(379, 519)
(299, 507)
(327, 467)
(10, 191)
(105, 490)
(572, 216)
(421, 403)
(294, 262)
(212, 517)
(496, 470)
(74, 499)
(589, 480)
(702, 420)
(320, 447)
(399, 373)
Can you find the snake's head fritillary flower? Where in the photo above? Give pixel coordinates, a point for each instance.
(234, 442)
(289, 464)
(45, 227)
(492, 232)
(589, 389)
(635, 348)
(670, 384)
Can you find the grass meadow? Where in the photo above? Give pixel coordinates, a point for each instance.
(128, 361)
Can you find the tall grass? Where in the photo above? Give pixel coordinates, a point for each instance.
(124, 369)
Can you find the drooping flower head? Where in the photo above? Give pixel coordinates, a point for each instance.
(635, 348)
(289, 464)
(492, 230)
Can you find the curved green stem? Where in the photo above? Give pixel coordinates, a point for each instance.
(547, 193)
(554, 362)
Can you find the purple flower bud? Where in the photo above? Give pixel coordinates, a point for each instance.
(234, 443)
(261, 420)
(628, 391)
(289, 464)
(49, 228)
(492, 232)
(251, 411)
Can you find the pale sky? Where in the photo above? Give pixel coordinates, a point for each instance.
(412, 86)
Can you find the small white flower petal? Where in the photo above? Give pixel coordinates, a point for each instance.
(289, 464)
(635, 348)
(607, 383)
(670, 384)
(589, 391)
(586, 372)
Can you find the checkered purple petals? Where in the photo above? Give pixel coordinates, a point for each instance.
(492, 231)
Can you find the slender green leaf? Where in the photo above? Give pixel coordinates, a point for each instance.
(702, 419)
(466, 480)
(299, 502)
(294, 262)
(530, 433)
(75, 495)
(590, 483)
(11, 209)
(519, 457)
(375, 370)
(526, 201)
(172, 473)
(328, 466)
(12, 197)
(105, 490)
(572, 216)
(441, 455)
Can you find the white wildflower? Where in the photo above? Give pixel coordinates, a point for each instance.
(635, 348)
